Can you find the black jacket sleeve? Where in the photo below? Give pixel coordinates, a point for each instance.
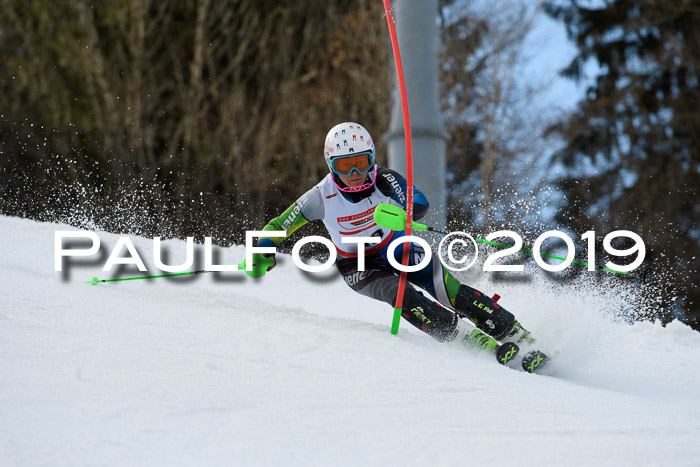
(393, 184)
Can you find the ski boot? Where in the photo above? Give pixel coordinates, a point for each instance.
(482, 341)
(485, 313)
(519, 335)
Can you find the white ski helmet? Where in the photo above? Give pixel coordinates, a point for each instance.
(348, 139)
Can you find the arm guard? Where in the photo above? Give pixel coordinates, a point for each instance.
(290, 220)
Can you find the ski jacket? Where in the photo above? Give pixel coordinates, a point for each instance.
(348, 214)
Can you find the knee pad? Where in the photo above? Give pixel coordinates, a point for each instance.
(485, 313)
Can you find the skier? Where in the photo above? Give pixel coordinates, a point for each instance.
(345, 201)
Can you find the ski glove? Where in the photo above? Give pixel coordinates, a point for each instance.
(261, 264)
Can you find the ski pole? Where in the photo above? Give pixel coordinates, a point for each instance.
(95, 280)
(260, 266)
(393, 217)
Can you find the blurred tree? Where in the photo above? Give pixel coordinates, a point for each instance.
(179, 118)
(494, 140)
(633, 146)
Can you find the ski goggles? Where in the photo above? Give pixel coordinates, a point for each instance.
(360, 163)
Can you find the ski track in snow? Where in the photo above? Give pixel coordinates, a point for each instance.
(299, 370)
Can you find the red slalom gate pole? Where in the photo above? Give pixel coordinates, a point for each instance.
(409, 163)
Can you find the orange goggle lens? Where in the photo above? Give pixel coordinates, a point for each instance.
(360, 163)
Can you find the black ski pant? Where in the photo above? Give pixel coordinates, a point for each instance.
(380, 281)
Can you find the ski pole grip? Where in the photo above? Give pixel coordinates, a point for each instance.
(390, 217)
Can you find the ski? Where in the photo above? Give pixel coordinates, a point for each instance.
(534, 361)
(506, 352)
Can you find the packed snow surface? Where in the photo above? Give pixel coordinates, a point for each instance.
(296, 369)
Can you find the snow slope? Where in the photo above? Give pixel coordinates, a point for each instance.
(299, 370)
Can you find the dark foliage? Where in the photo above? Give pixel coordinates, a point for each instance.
(179, 118)
(633, 146)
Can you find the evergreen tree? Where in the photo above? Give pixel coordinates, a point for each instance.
(633, 146)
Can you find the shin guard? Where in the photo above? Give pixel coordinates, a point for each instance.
(484, 312)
